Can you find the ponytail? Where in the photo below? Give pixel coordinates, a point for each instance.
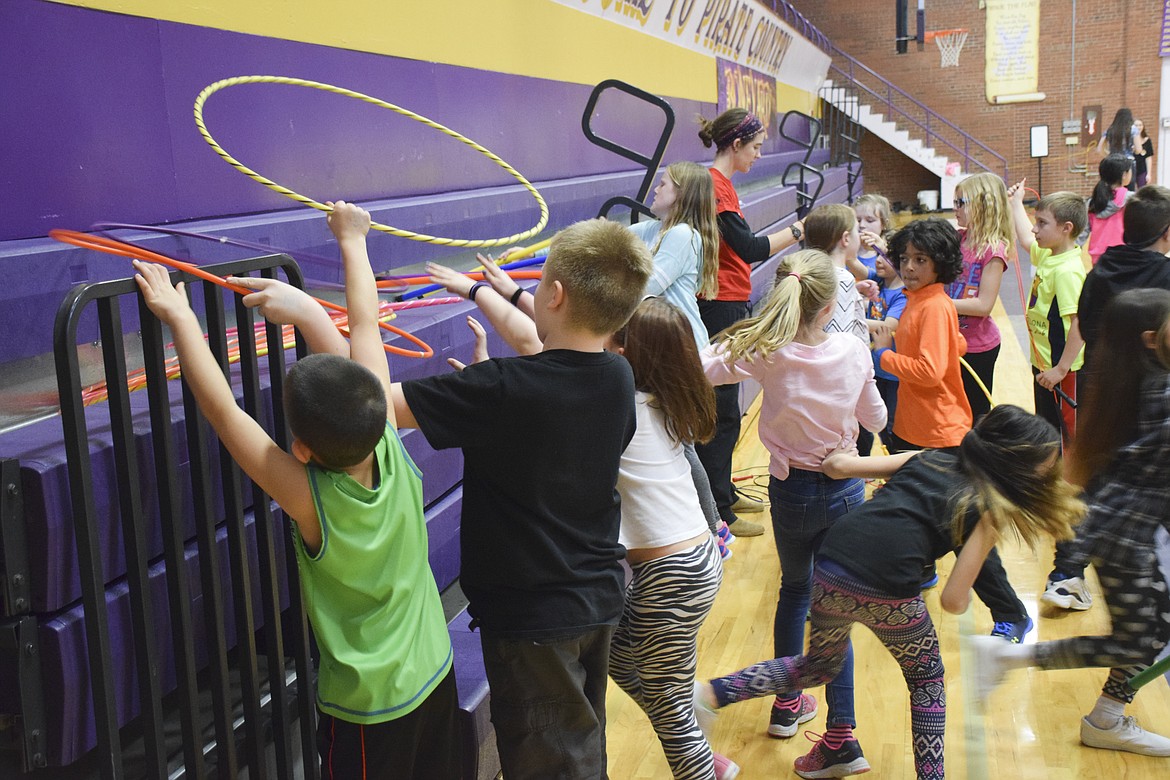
(1111, 170)
(805, 283)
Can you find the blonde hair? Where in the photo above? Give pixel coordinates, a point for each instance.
(603, 268)
(989, 216)
(879, 205)
(805, 283)
(695, 207)
(824, 226)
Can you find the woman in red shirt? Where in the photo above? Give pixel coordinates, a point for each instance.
(738, 136)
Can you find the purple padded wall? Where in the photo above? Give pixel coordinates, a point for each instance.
(64, 664)
(111, 98)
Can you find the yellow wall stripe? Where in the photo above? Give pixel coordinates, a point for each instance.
(535, 38)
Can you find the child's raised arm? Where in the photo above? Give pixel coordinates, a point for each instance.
(350, 224)
(278, 473)
(1020, 220)
(516, 327)
(284, 304)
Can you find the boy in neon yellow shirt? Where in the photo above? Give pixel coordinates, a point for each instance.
(1057, 346)
(386, 685)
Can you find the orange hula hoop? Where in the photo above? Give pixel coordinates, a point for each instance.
(112, 246)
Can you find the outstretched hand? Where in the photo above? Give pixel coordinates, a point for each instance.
(167, 302)
(480, 353)
(497, 277)
(455, 282)
(277, 301)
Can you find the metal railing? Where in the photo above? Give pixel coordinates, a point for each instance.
(275, 706)
(895, 103)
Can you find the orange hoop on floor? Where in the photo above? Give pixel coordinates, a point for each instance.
(112, 246)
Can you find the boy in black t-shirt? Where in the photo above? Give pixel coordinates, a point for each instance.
(542, 436)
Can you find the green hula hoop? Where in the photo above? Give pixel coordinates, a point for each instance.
(285, 191)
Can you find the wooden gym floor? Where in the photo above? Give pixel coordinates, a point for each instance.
(1030, 728)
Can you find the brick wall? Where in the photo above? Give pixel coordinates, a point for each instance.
(1117, 64)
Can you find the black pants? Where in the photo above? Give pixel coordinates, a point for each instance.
(424, 744)
(992, 585)
(548, 704)
(1064, 416)
(716, 454)
(983, 364)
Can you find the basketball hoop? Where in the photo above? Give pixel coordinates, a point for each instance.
(950, 43)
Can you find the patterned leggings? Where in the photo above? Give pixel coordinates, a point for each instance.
(1138, 596)
(903, 626)
(654, 650)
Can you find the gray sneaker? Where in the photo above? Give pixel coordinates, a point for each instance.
(1125, 735)
(1071, 593)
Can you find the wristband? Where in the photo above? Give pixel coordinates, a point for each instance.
(515, 299)
(475, 289)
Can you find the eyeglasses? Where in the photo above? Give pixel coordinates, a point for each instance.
(961, 202)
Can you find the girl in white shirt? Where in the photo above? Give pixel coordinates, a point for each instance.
(675, 563)
(816, 387)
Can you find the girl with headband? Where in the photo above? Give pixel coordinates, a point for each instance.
(738, 136)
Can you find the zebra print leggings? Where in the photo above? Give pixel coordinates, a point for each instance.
(654, 650)
(903, 626)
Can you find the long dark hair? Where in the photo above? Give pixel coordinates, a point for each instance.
(660, 347)
(1111, 170)
(1122, 362)
(1120, 133)
(1006, 458)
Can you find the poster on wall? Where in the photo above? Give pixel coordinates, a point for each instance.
(1012, 55)
(741, 87)
(1090, 125)
(745, 32)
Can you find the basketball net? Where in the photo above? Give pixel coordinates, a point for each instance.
(950, 43)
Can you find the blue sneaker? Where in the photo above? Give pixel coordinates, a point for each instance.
(724, 533)
(1012, 632)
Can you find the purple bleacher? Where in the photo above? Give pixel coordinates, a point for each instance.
(65, 668)
(481, 760)
(54, 579)
(443, 538)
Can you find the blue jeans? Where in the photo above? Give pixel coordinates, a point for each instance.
(804, 506)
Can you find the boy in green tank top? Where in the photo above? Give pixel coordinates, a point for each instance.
(386, 686)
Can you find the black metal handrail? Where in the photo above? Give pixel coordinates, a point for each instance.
(261, 725)
(650, 163)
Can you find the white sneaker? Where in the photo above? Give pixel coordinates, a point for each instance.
(989, 653)
(703, 714)
(1072, 593)
(1126, 735)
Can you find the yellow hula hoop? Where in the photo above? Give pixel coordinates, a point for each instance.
(285, 191)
